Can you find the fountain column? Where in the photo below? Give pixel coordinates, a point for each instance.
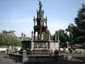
(32, 43)
(55, 37)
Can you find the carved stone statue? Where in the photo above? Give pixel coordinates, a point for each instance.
(40, 4)
(41, 24)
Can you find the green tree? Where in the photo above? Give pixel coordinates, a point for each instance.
(80, 25)
(9, 40)
(77, 31)
(12, 40)
(2, 39)
(72, 29)
(62, 37)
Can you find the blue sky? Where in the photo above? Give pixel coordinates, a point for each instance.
(18, 14)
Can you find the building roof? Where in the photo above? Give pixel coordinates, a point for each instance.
(25, 39)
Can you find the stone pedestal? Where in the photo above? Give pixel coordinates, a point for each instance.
(24, 56)
(8, 51)
(32, 43)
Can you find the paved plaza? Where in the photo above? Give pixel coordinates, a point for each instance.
(76, 58)
(5, 60)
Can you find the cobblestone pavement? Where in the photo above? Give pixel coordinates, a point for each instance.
(4, 60)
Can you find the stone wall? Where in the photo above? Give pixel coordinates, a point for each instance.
(54, 46)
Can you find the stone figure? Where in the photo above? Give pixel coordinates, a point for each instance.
(40, 27)
(40, 4)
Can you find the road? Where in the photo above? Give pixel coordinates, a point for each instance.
(5, 60)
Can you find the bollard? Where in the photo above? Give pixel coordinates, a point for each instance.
(56, 55)
(69, 57)
(24, 56)
(8, 51)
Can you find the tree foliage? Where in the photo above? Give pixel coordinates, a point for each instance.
(80, 24)
(77, 31)
(62, 36)
(8, 39)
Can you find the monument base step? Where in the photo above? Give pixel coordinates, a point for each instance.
(41, 52)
